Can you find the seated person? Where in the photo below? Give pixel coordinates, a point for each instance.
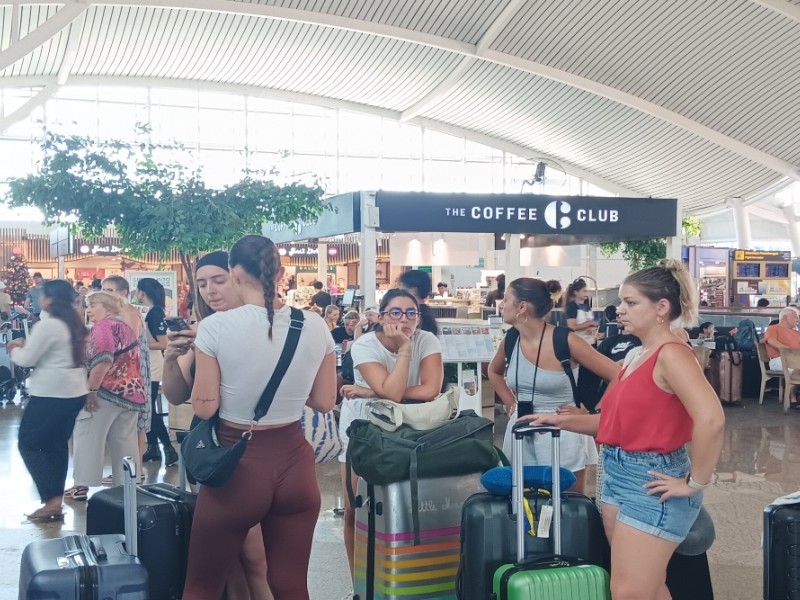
(442, 288)
(344, 334)
(331, 316)
(707, 331)
(782, 335)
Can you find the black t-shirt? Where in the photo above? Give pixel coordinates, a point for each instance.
(340, 334)
(155, 322)
(617, 347)
(573, 308)
(322, 299)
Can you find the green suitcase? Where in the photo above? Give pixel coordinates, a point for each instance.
(551, 577)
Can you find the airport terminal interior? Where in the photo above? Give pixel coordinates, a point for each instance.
(555, 139)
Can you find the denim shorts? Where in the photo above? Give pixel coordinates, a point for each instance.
(623, 487)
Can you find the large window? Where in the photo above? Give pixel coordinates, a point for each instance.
(230, 133)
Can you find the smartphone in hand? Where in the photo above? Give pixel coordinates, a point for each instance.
(177, 324)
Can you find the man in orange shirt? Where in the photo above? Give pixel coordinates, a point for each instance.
(782, 335)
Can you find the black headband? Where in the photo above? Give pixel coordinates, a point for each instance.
(218, 258)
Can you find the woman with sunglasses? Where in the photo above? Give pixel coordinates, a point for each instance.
(398, 362)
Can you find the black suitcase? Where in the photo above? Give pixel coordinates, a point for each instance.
(781, 543)
(689, 577)
(82, 567)
(164, 518)
(489, 538)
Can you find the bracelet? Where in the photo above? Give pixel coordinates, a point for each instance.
(408, 354)
(693, 484)
(94, 390)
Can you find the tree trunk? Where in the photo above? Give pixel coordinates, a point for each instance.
(188, 267)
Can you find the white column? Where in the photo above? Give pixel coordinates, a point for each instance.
(513, 269)
(741, 221)
(674, 243)
(486, 250)
(322, 263)
(61, 267)
(369, 249)
(436, 277)
(794, 228)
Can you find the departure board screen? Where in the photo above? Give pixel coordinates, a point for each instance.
(778, 270)
(744, 269)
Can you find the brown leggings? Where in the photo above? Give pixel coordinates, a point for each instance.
(274, 484)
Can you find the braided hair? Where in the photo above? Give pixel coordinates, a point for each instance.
(259, 258)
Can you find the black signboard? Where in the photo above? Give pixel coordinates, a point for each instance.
(554, 219)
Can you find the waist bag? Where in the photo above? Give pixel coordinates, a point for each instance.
(462, 446)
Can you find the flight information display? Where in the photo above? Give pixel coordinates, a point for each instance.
(744, 269)
(778, 270)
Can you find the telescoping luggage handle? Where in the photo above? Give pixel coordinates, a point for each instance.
(129, 505)
(521, 431)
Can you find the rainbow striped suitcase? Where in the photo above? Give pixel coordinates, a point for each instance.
(388, 564)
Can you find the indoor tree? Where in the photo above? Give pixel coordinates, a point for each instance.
(154, 197)
(646, 253)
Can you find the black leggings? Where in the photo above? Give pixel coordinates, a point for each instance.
(158, 431)
(44, 434)
(274, 484)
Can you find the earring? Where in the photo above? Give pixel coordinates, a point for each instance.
(660, 320)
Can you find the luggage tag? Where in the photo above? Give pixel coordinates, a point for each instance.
(545, 519)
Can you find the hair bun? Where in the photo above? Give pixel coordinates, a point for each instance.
(671, 265)
(553, 286)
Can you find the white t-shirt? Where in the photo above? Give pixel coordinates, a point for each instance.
(368, 349)
(49, 350)
(238, 339)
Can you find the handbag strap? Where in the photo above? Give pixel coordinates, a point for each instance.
(296, 320)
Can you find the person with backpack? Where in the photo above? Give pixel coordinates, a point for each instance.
(537, 372)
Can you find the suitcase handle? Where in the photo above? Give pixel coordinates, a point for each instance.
(129, 504)
(525, 429)
(518, 483)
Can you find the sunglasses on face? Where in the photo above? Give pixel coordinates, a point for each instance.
(397, 313)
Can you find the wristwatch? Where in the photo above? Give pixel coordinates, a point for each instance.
(693, 484)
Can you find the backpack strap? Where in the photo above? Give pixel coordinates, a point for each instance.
(561, 348)
(509, 341)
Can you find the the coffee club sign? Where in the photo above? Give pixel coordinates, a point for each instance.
(531, 214)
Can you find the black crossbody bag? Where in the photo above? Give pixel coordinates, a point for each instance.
(204, 457)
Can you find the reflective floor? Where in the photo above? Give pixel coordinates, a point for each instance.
(760, 462)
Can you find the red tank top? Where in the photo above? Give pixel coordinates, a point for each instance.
(638, 416)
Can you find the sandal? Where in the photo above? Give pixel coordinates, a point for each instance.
(77, 493)
(43, 515)
(108, 480)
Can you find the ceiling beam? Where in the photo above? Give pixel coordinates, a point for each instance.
(24, 46)
(24, 111)
(333, 21)
(14, 23)
(762, 212)
(784, 7)
(324, 101)
(497, 26)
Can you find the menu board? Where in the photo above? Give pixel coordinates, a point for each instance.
(468, 343)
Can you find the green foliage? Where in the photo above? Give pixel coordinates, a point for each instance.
(153, 197)
(646, 253)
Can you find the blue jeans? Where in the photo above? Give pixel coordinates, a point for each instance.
(623, 487)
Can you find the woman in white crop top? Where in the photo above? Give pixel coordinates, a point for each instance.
(274, 484)
(397, 362)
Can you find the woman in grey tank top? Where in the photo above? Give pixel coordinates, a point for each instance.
(544, 388)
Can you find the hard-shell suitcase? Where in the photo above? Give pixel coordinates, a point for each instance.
(781, 543)
(553, 575)
(489, 537)
(387, 562)
(83, 567)
(726, 375)
(164, 522)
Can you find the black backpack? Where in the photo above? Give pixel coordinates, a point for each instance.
(746, 335)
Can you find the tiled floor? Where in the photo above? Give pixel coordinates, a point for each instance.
(760, 461)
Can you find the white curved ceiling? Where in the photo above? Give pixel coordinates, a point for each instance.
(695, 99)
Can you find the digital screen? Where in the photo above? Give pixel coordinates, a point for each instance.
(349, 296)
(777, 269)
(748, 269)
